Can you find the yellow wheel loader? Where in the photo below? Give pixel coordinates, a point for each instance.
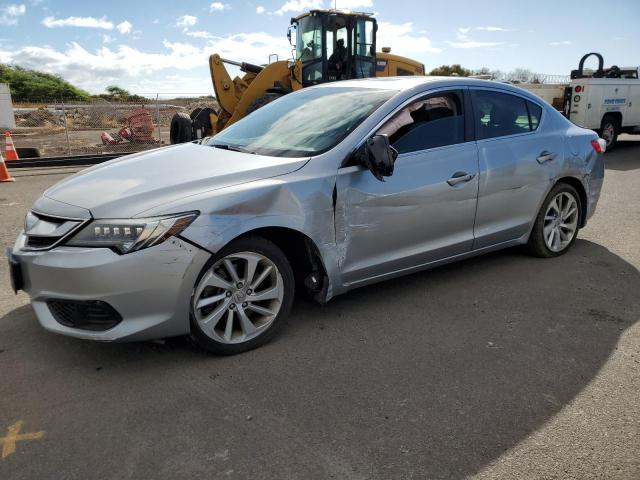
(330, 45)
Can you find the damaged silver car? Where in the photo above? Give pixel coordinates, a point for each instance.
(324, 190)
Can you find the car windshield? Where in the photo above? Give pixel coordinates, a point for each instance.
(304, 123)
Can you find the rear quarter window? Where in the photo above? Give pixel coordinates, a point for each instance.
(535, 112)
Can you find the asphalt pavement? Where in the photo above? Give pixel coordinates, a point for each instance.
(499, 367)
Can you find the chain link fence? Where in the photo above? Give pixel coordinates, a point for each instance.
(58, 127)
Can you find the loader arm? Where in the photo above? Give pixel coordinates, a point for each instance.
(235, 96)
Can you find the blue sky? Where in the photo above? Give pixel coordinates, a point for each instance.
(159, 46)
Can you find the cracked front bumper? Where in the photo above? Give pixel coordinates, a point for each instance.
(150, 289)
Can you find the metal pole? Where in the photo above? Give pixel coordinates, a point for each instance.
(158, 116)
(66, 128)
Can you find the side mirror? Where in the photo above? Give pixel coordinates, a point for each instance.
(378, 156)
(291, 27)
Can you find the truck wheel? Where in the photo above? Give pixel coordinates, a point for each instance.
(609, 131)
(262, 101)
(181, 131)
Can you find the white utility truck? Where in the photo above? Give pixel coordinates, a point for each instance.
(604, 100)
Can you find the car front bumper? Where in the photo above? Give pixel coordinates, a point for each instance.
(150, 289)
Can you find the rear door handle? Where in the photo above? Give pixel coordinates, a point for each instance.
(546, 157)
(460, 177)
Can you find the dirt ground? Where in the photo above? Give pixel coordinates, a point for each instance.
(500, 367)
(53, 142)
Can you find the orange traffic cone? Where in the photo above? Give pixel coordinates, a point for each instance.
(10, 148)
(5, 176)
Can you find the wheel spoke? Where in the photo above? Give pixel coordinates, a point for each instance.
(265, 273)
(550, 237)
(203, 302)
(214, 317)
(269, 294)
(567, 226)
(228, 328)
(232, 270)
(261, 310)
(556, 239)
(245, 322)
(214, 280)
(252, 264)
(569, 213)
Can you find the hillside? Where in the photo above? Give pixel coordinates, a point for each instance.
(32, 85)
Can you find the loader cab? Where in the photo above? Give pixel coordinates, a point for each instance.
(334, 45)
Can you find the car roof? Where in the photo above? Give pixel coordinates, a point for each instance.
(417, 83)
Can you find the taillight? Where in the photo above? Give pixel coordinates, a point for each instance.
(598, 146)
(578, 89)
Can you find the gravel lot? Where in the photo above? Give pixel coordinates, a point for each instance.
(504, 366)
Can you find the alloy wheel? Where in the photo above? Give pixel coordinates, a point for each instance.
(560, 221)
(238, 298)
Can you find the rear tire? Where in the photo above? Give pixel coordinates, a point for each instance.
(232, 315)
(181, 128)
(556, 226)
(609, 131)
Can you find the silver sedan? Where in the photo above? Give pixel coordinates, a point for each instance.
(324, 190)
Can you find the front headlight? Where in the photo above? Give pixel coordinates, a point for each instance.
(129, 235)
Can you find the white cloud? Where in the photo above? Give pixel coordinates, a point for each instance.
(218, 7)
(124, 27)
(353, 4)
(260, 9)
(156, 21)
(9, 14)
(87, 22)
(464, 41)
(187, 21)
(106, 39)
(492, 29)
(199, 34)
(472, 44)
(298, 6)
(129, 66)
(563, 42)
(403, 39)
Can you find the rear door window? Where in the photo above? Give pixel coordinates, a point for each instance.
(502, 114)
(434, 121)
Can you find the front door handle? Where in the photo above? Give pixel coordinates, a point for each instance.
(460, 177)
(546, 157)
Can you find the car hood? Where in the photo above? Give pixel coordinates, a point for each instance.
(128, 186)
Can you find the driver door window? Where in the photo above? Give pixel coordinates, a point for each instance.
(435, 121)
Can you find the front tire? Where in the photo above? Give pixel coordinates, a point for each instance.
(242, 297)
(557, 223)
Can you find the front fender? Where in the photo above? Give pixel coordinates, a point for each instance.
(304, 205)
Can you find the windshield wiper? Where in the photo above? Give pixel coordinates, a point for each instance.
(234, 148)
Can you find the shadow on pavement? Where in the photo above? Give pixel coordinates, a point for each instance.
(429, 376)
(625, 157)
